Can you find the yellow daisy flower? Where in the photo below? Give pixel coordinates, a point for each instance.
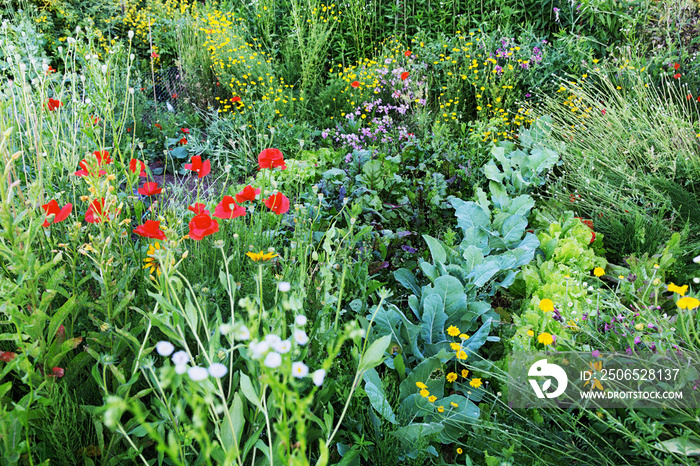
(451, 377)
(453, 331)
(260, 256)
(681, 290)
(151, 261)
(546, 305)
(545, 338)
(476, 383)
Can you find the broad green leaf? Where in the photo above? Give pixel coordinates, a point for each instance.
(476, 237)
(412, 433)
(436, 250)
(513, 229)
(249, 391)
(478, 339)
(472, 257)
(232, 430)
(469, 215)
(521, 205)
(492, 172)
(387, 321)
(374, 355)
(407, 280)
(433, 320)
(451, 292)
(485, 271)
(377, 397)
(499, 196)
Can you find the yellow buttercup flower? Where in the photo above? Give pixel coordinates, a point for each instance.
(424, 393)
(598, 272)
(441, 409)
(681, 290)
(465, 373)
(688, 302)
(432, 398)
(545, 338)
(451, 377)
(459, 451)
(476, 383)
(530, 333)
(260, 256)
(453, 331)
(546, 305)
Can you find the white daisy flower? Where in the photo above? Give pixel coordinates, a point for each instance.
(300, 370)
(318, 377)
(217, 370)
(180, 358)
(273, 360)
(300, 320)
(300, 336)
(197, 373)
(165, 348)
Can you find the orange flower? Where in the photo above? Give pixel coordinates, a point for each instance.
(355, 84)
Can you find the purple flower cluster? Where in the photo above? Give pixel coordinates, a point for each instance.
(384, 115)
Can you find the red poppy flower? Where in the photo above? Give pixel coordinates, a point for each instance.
(676, 66)
(175, 96)
(138, 164)
(198, 209)
(154, 55)
(157, 125)
(202, 225)
(677, 75)
(688, 97)
(53, 104)
(7, 356)
(278, 203)
(95, 120)
(183, 141)
(603, 111)
(202, 168)
(404, 75)
(185, 130)
(150, 189)
(50, 70)
(150, 229)
(228, 209)
(248, 194)
(355, 84)
(271, 158)
(128, 130)
(235, 98)
(94, 212)
(84, 171)
(56, 372)
(60, 214)
(407, 53)
(102, 157)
